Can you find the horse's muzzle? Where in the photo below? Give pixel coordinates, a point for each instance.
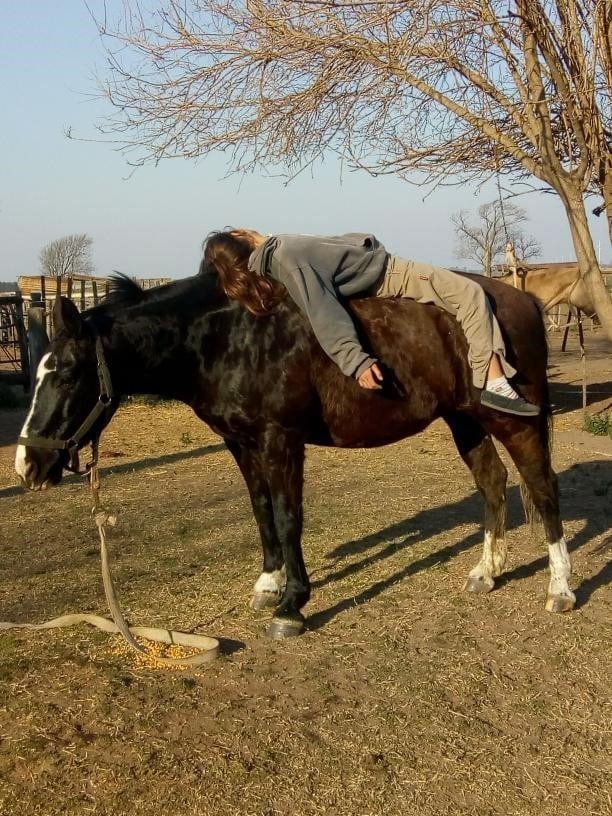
(38, 469)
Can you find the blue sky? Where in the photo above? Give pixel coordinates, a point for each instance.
(152, 223)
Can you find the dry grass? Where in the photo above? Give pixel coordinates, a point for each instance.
(404, 695)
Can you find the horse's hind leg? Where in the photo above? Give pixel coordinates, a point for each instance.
(528, 445)
(270, 586)
(479, 454)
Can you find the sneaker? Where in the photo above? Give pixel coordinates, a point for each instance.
(518, 406)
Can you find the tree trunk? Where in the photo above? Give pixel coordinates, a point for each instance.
(607, 196)
(587, 257)
(488, 263)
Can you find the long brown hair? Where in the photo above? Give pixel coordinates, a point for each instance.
(228, 252)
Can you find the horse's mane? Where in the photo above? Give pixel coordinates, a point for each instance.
(125, 293)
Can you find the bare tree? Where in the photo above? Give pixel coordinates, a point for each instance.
(69, 255)
(484, 239)
(431, 90)
(526, 246)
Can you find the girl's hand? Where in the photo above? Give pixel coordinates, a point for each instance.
(372, 378)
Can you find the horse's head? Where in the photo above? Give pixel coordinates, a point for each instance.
(71, 403)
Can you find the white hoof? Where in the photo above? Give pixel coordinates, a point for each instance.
(560, 603)
(479, 584)
(264, 600)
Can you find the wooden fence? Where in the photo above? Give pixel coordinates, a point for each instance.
(84, 290)
(26, 321)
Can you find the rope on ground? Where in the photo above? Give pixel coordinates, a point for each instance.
(208, 648)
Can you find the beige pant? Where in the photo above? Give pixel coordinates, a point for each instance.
(458, 295)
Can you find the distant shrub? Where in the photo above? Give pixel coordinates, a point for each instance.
(598, 424)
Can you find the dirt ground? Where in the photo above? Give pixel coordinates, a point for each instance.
(404, 696)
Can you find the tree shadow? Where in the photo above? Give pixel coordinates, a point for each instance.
(578, 484)
(566, 397)
(323, 617)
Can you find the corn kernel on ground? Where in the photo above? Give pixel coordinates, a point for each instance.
(154, 651)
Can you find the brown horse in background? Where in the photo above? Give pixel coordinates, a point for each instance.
(552, 284)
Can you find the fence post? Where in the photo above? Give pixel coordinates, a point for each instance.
(37, 339)
(23, 343)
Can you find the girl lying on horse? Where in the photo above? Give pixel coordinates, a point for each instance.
(317, 270)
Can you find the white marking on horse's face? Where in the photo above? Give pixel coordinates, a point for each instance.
(44, 369)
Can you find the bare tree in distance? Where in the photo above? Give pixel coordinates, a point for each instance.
(431, 90)
(526, 246)
(69, 255)
(484, 239)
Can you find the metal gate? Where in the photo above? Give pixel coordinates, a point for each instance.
(14, 361)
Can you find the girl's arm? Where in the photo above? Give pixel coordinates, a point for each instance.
(332, 324)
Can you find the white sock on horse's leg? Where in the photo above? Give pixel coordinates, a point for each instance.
(560, 596)
(491, 564)
(271, 581)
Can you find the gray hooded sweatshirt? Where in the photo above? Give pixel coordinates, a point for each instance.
(316, 270)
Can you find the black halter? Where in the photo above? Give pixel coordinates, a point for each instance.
(72, 445)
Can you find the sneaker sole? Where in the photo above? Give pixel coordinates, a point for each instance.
(514, 412)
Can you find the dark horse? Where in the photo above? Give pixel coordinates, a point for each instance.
(267, 388)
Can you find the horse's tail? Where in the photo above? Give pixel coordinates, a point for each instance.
(545, 428)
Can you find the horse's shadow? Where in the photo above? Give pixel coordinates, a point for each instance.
(10, 425)
(131, 467)
(575, 490)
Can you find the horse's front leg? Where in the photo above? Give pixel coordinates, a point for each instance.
(270, 586)
(282, 455)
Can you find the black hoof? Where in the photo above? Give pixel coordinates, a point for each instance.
(284, 628)
(264, 600)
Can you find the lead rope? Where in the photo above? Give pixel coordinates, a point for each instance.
(102, 518)
(208, 648)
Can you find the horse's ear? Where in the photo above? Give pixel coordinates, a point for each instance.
(66, 317)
